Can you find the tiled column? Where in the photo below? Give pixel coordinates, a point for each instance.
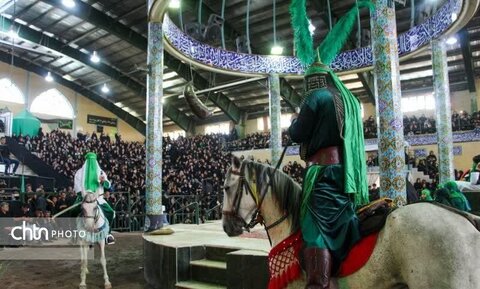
(443, 110)
(275, 117)
(388, 99)
(154, 134)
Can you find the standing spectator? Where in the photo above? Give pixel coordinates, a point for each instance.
(5, 153)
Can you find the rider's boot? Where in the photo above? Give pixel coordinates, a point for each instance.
(318, 266)
(110, 239)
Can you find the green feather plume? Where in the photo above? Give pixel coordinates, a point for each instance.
(336, 38)
(302, 37)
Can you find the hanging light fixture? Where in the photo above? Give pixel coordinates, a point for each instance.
(454, 16)
(12, 32)
(105, 88)
(276, 49)
(49, 77)
(95, 58)
(68, 3)
(452, 40)
(174, 4)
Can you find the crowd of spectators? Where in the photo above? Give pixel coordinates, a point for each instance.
(123, 162)
(295, 170)
(257, 140)
(413, 125)
(193, 168)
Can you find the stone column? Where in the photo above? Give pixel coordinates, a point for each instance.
(154, 133)
(275, 116)
(443, 110)
(388, 102)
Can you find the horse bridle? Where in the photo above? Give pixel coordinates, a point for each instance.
(96, 215)
(257, 217)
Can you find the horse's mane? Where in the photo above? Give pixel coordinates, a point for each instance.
(286, 191)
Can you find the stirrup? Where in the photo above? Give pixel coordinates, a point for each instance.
(110, 240)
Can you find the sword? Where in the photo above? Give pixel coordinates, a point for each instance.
(70, 208)
(65, 210)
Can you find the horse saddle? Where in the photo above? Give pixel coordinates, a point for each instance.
(372, 219)
(374, 215)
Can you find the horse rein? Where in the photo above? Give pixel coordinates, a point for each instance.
(96, 216)
(238, 199)
(257, 218)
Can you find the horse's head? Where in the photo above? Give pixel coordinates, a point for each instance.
(239, 203)
(89, 205)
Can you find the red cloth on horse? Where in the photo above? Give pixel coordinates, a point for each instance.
(284, 264)
(358, 255)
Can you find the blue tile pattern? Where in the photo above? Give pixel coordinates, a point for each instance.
(391, 155)
(408, 42)
(457, 150)
(443, 110)
(420, 153)
(275, 113)
(153, 182)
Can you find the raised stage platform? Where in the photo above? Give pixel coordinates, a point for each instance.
(203, 256)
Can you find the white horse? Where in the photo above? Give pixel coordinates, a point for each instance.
(95, 227)
(422, 246)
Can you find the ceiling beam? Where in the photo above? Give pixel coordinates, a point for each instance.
(138, 88)
(287, 92)
(109, 24)
(34, 36)
(206, 11)
(102, 21)
(133, 121)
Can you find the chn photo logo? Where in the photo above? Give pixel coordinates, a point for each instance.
(31, 232)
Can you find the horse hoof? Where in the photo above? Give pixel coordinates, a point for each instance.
(108, 286)
(82, 287)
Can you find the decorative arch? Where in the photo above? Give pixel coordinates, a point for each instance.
(10, 92)
(52, 103)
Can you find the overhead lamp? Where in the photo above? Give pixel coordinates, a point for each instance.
(454, 17)
(452, 40)
(175, 4)
(68, 3)
(105, 88)
(276, 50)
(12, 33)
(95, 58)
(49, 77)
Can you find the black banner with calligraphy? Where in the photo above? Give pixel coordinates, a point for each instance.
(102, 121)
